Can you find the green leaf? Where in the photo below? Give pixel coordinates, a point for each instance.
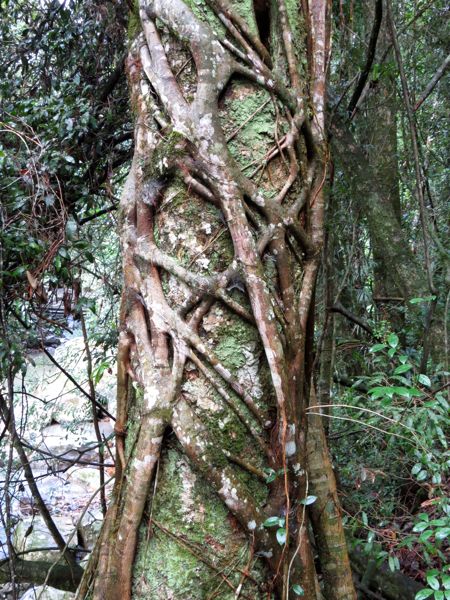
(425, 535)
(270, 475)
(422, 475)
(426, 593)
(416, 468)
(402, 369)
(424, 516)
(382, 390)
(446, 581)
(424, 380)
(424, 299)
(442, 534)
(439, 522)
(402, 391)
(392, 563)
(308, 500)
(377, 347)
(297, 589)
(271, 522)
(433, 581)
(393, 340)
(415, 392)
(418, 527)
(281, 536)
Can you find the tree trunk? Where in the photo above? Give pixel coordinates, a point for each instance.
(222, 230)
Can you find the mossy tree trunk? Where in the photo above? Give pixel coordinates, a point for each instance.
(378, 129)
(366, 148)
(222, 230)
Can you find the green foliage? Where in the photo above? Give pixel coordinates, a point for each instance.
(405, 413)
(438, 585)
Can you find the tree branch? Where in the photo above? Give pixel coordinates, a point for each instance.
(369, 60)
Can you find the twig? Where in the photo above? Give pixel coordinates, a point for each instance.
(433, 82)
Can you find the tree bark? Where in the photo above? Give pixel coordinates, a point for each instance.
(225, 316)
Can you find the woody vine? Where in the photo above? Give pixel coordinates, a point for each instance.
(275, 228)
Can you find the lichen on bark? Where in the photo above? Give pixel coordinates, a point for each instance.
(213, 331)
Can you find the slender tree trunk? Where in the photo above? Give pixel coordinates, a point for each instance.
(222, 231)
(377, 127)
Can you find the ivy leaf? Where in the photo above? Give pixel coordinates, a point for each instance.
(308, 500)
(297, 589)
(423, 594)
(271, 522)
(442, 534)
(422, 475)
(433, 581)
(393, 563)
(281, 536)
(416, 469)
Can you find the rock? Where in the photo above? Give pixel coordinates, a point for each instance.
(90, 528)
(32, 532)
(52, 397)
(71, 408)
(47, 593)
(59, 439)
(86, 477)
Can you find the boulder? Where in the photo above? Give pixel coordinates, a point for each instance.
(32, 532)
(46, 593)
(59, 438)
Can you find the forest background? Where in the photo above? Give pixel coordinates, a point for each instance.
(287, 261)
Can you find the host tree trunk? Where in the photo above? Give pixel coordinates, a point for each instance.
(217, 481)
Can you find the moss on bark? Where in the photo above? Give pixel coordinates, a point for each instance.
(167, 567)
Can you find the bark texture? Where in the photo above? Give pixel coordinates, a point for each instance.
(222, 232)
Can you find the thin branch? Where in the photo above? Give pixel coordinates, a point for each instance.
(338, 308)
(433, 82)
(369, 60)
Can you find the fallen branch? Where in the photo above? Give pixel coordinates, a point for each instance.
(61, 577)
